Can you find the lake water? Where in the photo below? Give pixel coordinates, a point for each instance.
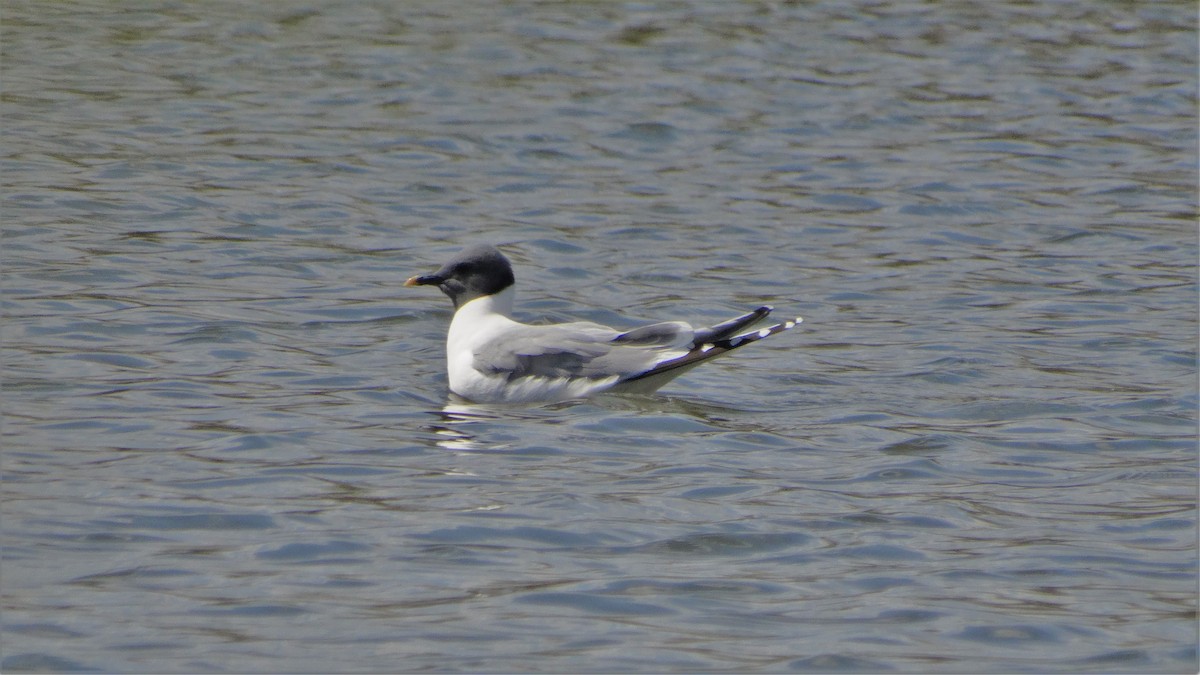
(228, 444)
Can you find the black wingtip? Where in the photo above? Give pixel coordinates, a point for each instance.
(715, 348)
(727, 329)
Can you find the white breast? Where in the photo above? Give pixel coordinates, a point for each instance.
(477, 323)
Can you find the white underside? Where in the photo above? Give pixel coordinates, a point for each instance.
(486, 350)
(482, 388)
(477, 323)
(480, 322)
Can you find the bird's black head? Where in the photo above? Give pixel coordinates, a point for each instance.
(475, 272)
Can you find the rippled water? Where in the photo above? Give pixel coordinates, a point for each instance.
(228, 444)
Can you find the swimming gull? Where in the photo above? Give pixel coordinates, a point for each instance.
(491, 358)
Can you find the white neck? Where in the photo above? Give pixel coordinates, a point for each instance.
(499, 303)
(474, 325)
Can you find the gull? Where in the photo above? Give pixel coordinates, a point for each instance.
(491, 358)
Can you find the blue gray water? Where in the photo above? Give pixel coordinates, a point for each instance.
(228, 445)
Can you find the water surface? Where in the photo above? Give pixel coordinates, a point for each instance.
(228, 445)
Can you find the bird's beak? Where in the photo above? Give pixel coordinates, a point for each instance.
(425, 280)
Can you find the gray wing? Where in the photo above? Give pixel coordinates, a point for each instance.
(572, 350)
(666, 334)
(679, 335)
